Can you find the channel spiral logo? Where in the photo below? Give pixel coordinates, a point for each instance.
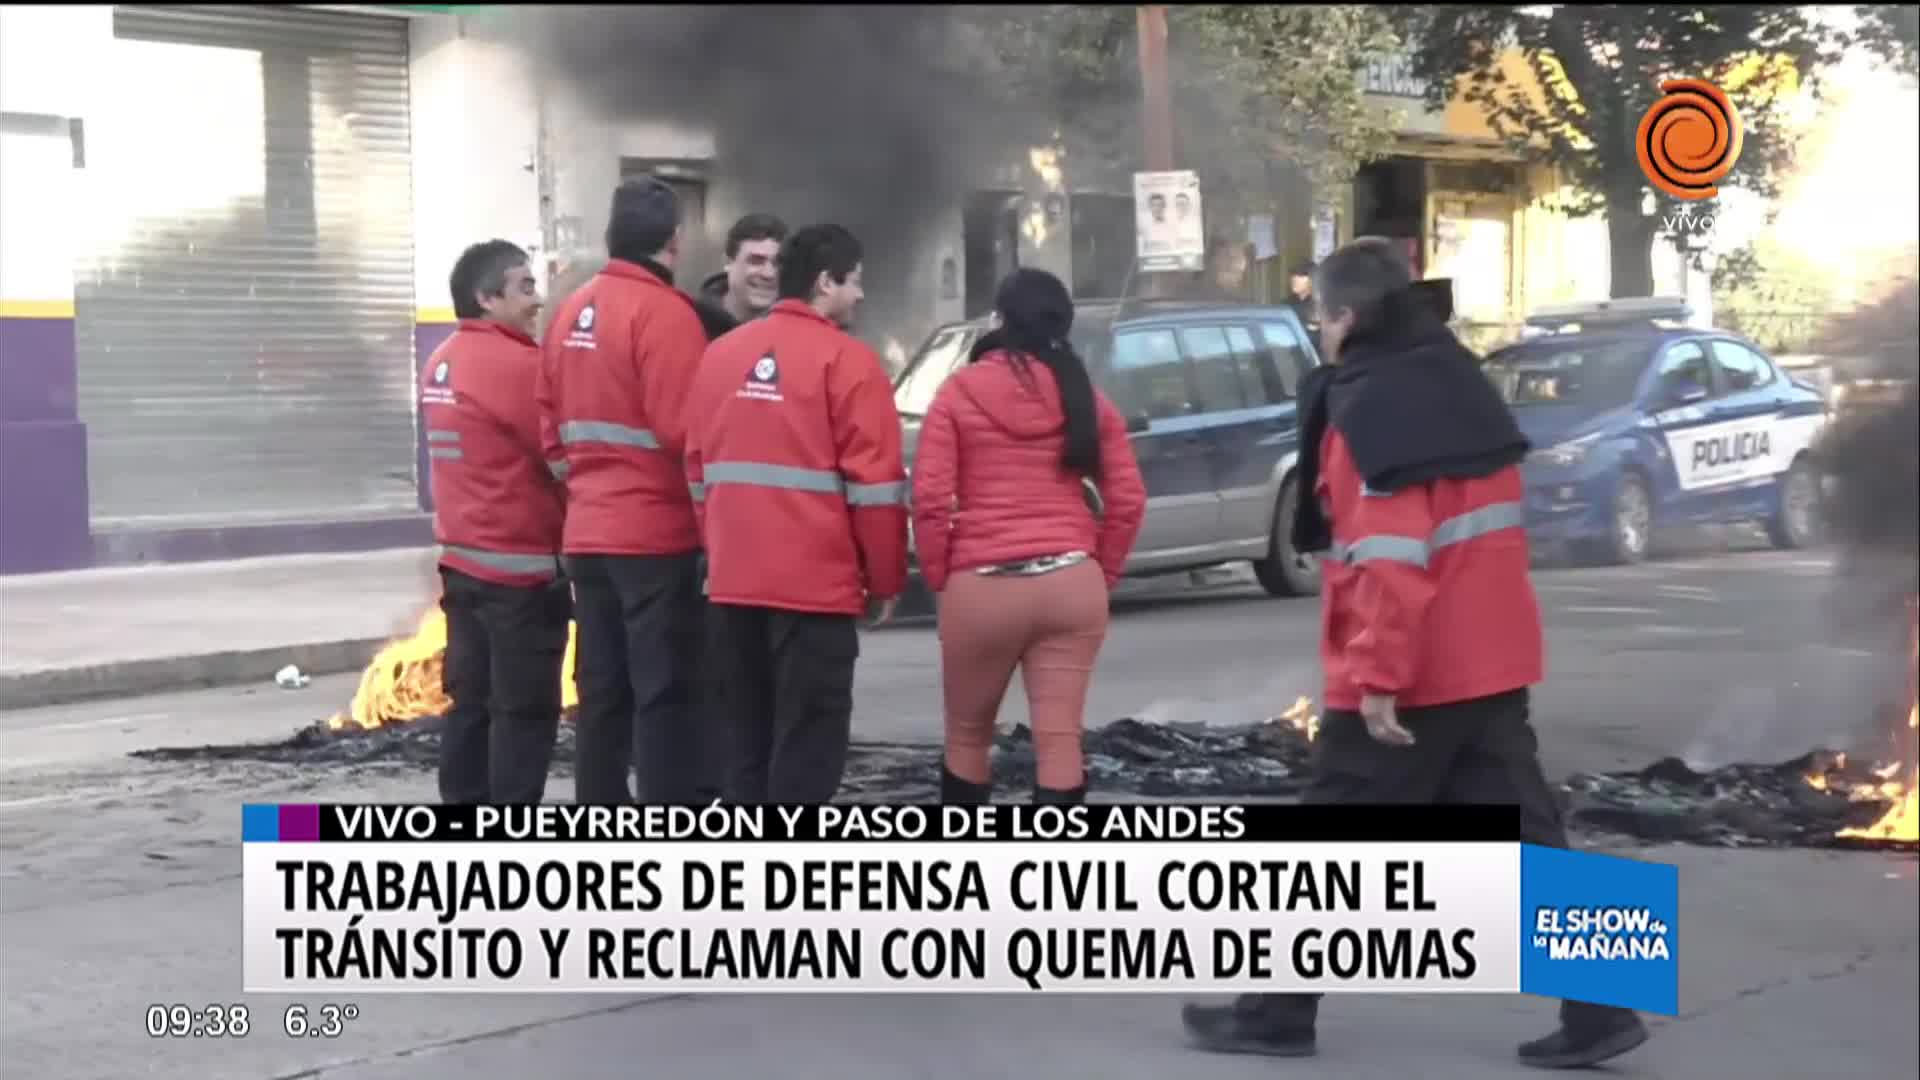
(1690, 139)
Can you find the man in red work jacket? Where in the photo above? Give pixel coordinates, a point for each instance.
(796, 460)
(497, 515)
(620, 355)
(1430, 631)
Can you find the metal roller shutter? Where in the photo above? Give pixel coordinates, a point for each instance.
(245, 317)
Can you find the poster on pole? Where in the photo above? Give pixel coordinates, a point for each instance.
(1167, 205)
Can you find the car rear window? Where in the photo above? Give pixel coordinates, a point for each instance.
(947, 349)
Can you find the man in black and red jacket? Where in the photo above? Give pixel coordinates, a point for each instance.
(1430, 634)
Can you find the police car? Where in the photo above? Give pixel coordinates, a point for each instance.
(1209, 392)
(1640, 422)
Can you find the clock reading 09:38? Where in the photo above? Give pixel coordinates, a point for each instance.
(204, 1022)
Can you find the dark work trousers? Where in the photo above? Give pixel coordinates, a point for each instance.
(1481, 751)
(787, 685)
(505, 645)
(638, 620)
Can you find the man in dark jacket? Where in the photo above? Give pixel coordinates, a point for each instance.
(747, 287)
(1300, 299)
(1432, 636)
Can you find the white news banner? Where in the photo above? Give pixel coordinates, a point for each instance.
(626, 918)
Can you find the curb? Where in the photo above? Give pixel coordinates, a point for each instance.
(135, 678)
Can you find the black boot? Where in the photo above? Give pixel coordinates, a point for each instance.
(1588, 1035)
(1276, 1025)
(1057, 797)
(954, 790)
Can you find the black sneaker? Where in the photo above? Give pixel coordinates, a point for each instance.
(1229, 1029)
(955, 790)
(1580, 1048)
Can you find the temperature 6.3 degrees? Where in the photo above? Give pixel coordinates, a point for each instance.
(321, 1022)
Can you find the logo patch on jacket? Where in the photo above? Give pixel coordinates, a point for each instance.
(581, 336)
(437, 391)
(763, 382)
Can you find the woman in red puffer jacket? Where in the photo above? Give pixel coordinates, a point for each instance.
(1026, 503)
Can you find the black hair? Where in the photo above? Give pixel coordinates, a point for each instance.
(1036, 314)
(481, 270)
(1156, 195)
(1370, 277)
(755, 227)
(814, 250)
(642, 220)
(1303, 268)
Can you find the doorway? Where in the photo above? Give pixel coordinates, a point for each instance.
(1390, 200)
(990, 228)
(689, 180)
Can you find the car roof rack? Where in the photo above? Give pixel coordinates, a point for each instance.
(1612, 313)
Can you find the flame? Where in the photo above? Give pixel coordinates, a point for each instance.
(1901, 822)
(402, 683)
(1301, 717)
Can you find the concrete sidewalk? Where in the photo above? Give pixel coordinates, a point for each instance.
(134, 630)
(127, 631)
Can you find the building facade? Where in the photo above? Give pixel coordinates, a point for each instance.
(1466, 206)
(216, 277)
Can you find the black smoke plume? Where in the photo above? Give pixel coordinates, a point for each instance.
(879, 118)
(1873, 453)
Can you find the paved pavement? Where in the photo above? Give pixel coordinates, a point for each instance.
(119, 879)
(100, 633)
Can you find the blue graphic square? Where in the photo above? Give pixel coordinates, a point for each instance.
(1600, 929)
(259, 823)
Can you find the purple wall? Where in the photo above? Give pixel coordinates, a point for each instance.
(44, 520)
(43, 450)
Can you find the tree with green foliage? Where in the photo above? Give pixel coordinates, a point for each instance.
(1253, 87)
(1601, 68)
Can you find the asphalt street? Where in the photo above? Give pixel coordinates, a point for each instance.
(120, 879)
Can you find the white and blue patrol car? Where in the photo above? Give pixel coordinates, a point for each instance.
(1640, 422)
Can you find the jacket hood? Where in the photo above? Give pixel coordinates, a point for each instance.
(1017, 393)
(715, 287)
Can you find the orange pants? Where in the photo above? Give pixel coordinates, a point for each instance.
(1050, 626)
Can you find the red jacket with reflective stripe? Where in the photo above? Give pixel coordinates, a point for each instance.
(497, 510)
(988, 484)
(619, 358)
(795, 457)
(1426, 593)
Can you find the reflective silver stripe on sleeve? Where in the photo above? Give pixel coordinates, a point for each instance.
(442, 435)
(603, 431)
(445, 453)
(505, 562)
(1476, 523)
(774, 476)
(559, 469)
(893, 493)
(697, 490)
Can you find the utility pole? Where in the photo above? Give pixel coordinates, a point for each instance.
(1156, 115)
(1156, 118)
